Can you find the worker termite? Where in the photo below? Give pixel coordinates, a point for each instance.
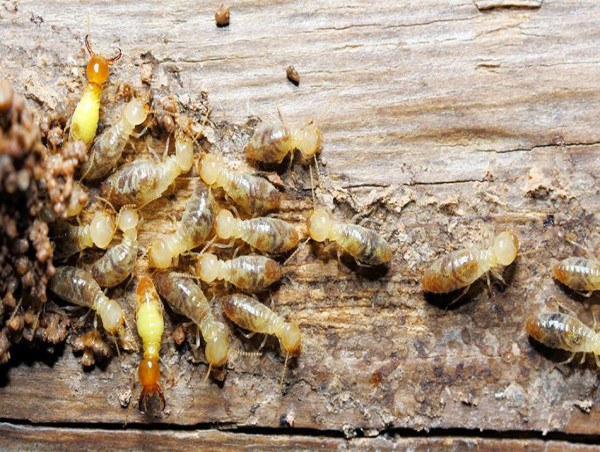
(141, 182)
(565, 332)
(249, 273)
(579, 274)
(196, 225)
(459, 269)
(271, 235)
(272, 143)
(150, 326)
(79, 287)
(254, 194)
(70, 239)
(364, 245)
(250, 314)
(108, 147)
(186, 298)
(85, 118)
(117, 263)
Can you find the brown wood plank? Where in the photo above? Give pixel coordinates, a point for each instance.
(48, 438)
(437, 109)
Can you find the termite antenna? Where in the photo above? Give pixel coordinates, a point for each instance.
(207, 373)
(320, 118)
(287, 355)
(312, 187)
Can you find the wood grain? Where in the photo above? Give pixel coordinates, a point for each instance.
(439, 112)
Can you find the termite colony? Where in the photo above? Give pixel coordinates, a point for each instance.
(218, 264)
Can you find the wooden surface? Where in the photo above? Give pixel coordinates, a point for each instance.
(437, 109)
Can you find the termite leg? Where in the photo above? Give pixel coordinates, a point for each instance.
(287, 356)
(464, 292)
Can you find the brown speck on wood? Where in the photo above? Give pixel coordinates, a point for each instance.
(292, 75)
(222, 15)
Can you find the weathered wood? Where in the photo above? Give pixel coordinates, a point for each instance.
(44, 438)
(438, 109)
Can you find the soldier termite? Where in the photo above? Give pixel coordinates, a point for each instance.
(72, 239)
(565, 332)
(252, 315)
(254, 194)
(108, 147)
(150, 326)
(118, 262)
(186, 298)
(79, 287)
(271, 235)
(141, 182)
(85, 118)
(196, 225)
(250, 273)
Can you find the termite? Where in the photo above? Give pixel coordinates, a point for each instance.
(150, 326)
(565, 332)
(196, 225)
(118, 262)
(250, 273)
(272, 143)
(141, 182)
(108, 147)
(186, 298)
(72, 239)
(579, 274)
(271, 235)
(365, 245)
(254, 194)
(79, 287)
(250, 314)
(85, 118)
(459, 269)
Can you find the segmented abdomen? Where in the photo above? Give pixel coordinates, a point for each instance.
(105, 153)
(249, 313)
(254, 194)
(578, 273)
(116, 265)
(270, 235)
(365, 245)
(75, 286)
(562, 331)
(198, 217)
(135, 183)
(69, 239)
(454, 271)
(184, 296)
(252, 273)
(269, 144)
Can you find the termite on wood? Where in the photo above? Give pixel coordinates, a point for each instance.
(254, 194)
(186, 298)
(196, 224)
(565, 332)
(150, 326)
(579, 274)
(85, 118)
(79, 287)
(108, 147)
(250, 273)
(271, 235)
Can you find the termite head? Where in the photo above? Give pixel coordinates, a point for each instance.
(308, 139)
(210, 168)
(506, 247)
(149, 375)
(217, 347)
(135, 112)
(112, 317)
(97, 67)
(184, 151)
(291, 339)
(102, 229)
(207, 267)
(128, 219)
(225, 224)
(319, 225)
